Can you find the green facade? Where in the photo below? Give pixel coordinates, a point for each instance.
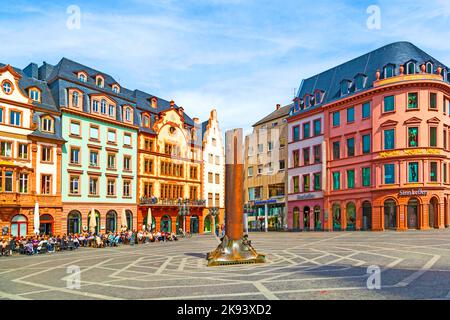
(83, 144)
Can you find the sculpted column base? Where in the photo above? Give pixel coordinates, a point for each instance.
(234, 252)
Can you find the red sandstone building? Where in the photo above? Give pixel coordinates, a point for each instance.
(387, 141)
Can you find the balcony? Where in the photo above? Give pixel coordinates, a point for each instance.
(15, 199)
(171, 202)
(408, 77)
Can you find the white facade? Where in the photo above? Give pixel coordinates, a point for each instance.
(213, 164)
(301, 145)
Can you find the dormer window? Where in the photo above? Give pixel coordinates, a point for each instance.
(410, 68)
(75, 98)
(99, 81)
(344, 87)
(35, 94)
(128, 114)
(82, 77)
(115, 88)
(429, 67)
(146, 121)
(307, 101)
(47, 124)
(7, 87)
(111, 110)
(360, 81)
(318, 97)
(95, 106)
(389, 71)
(103, 106)
(154, 103)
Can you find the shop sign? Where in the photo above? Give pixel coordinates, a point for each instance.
(408, 193)
(265, 202)
(409, 152)
(305, 196)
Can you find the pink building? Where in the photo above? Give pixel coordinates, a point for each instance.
(386, 141)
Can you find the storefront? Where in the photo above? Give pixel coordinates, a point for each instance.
(306, 214)
(256, 218)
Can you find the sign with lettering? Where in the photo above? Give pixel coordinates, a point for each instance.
(409, 193)
(409, 152)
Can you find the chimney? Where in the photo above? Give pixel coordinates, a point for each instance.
(278, 106)
(196, 120)
(45, 70)
(172, 103)
(31, 70)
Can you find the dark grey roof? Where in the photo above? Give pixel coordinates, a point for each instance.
(68, 69)
(280, 113)
(47, 104)
(397, 53)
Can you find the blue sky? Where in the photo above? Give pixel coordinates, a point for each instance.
(240, 56)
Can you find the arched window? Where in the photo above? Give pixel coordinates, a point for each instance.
(307, 100)
(103, 106)
(306, 218)
(146, 121)
(390, 214)
(46, 224)
(95, 106)
(47, 124)
(429, 67)
(410, 68)
(336, 217)
(389, 71)
(82, 77)
(413, 210)
(116, 88)
(128, 114)
(19, 226)
(318, 97)
(111, 221)
(129, 216)
(35, 94)
(74, 222)
(99, 82)
(344, 87)
(75, 96)
(351, 216)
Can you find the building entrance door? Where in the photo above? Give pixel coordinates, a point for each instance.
(413, 213)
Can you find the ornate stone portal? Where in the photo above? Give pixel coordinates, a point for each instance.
(235, 247)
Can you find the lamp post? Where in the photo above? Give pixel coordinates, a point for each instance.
(183, 211)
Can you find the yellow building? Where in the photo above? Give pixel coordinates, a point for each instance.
(265, 172)
(169, 174)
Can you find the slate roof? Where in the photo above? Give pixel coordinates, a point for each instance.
(68, 69)
(397, 53)
(280, 113)
(47, 103)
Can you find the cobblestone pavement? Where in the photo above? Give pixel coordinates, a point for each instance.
(413, 264)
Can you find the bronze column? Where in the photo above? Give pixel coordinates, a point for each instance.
(234, 249)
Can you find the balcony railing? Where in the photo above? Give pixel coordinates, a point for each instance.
(153, 201)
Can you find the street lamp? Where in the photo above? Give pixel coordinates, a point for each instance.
(183, 211)
(214, 211)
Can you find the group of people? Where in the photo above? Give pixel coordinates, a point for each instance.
(32, 245)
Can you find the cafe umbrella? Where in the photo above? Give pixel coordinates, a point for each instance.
(92, 221)
(36, 218)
